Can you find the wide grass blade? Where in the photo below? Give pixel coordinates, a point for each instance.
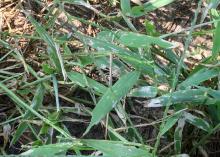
(108, 148)
(170, 122)
(80, 80)
(117, 148)
(216, 42)
(102, 45)
(199, 77)
(178, 135)
(140, 10)
(143, 92)
(197, 122)
(49, 150)
(193, 96)
(137, 40)
(126, 7)
(155, 4)
(128, 56)
(112, 96)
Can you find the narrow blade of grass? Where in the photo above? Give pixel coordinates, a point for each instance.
(36, 103)
(25, 106)
(56, 93)
(53, 48)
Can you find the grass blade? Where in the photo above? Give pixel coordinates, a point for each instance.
(216, 42)
(25, 106)
(79, 79)
(197, 122)
(116, 148)
(56, 93)
(195, 96)
(155, 4)
(36, 103)
(126, 7)
(178, 135)
(137, 40)
(49, 150)
(143, 92)
(112, 96)
(170, 122)
(53, 48)
(198, 77)
(132, 58)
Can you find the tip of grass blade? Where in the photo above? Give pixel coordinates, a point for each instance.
(87, 129)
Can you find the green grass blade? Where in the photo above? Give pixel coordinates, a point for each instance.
(101, 45)
(112, 96)
(56, 93)
(155, 4)
(216, 42)
(214, 3)
(79, 79)
(49, 150)
(137, 11)
(53, 48)
(128, 56)
(198, 77)
(126, 7)
(140, 64)
(143, 92)
(5, 44)
(116, 148)
(96, 86)
(173, 57)
(36, 103)
(197, 122)
(108, 148)
(178, 134)
(170, 122)
(25, 106)
(137, 40)
(195, 96)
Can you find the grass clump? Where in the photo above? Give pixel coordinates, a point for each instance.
(92, 78)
